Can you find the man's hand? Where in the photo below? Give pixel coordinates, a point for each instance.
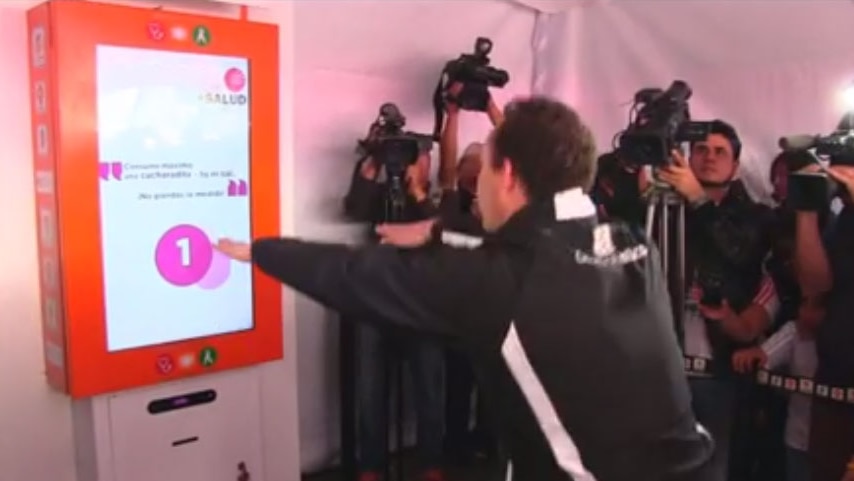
(849, 472)
(721, 313)
(746, 360)
(844, 175)
(451, 94)
(416, 181)
(682, 178)
(239, 251)
(410, 235)
(368, 169)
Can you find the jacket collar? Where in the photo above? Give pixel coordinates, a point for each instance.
(566, 206)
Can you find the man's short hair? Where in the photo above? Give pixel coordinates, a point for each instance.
(720, 127)
(547, 144)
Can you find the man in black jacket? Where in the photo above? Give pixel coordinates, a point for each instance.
(731, 299)
(568, 322)
(465, 438)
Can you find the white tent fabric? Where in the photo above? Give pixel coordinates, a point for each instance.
(769, 68)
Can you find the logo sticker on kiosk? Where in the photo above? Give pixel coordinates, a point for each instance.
(207, 357)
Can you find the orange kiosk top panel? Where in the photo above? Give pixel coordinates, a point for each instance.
(154, 134)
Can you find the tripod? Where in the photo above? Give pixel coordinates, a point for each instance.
(394, 211)
(665, 224)
(395, 206)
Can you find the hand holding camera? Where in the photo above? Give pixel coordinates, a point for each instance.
(844, 175)
(451, 105)
(813, 187)
(680, 176)
(472, 75)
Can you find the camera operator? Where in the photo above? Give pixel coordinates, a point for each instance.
(827, 266)
(459, 213)
(731, 299)
(367, 202)
(769, 425)
(567, 320)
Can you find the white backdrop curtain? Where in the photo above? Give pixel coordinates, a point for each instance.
(768, 67)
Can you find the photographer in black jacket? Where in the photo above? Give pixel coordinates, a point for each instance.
(825, 266)
(731, 299)
(567, 321)
(460, 215)
(368, 201)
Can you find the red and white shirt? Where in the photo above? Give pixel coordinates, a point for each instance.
(697, 340)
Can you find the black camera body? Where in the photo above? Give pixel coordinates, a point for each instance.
(392, 147)
(662, 121)
(813, 191)
(474, 72)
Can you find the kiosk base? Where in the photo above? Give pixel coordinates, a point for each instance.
(206, 428)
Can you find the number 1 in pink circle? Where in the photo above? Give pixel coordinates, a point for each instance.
(183, 255)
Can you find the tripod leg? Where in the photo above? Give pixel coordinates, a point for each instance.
(650, 218)
(400, 425)
(679, 270)
(664, 236)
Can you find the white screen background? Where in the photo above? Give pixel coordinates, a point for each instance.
(152, 110)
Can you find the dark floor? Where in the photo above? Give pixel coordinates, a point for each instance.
(474, 471)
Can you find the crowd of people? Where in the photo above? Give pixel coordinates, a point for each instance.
(781, 277)
(556, 300)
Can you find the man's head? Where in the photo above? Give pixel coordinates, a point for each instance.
(469, 167)
(540, 149)
(715, 160)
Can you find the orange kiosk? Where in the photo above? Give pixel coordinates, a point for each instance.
(155, 133)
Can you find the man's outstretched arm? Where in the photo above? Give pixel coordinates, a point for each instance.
(423, 289)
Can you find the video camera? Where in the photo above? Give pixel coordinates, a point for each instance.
(390, 146)
(813, 191)
(660, 122)
(476, 75)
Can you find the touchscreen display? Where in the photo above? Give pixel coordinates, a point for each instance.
(173, 153)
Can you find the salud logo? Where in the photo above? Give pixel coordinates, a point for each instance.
(207, 357)
(201, 36)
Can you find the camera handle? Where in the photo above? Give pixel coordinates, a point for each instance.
(439, 106)
(665, 225)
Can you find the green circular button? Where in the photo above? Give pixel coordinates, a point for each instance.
(207, 357)
(201, 36)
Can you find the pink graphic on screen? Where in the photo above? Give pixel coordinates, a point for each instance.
(237, 188)
(235, 80)
(106, 169)
(218, 272)
(184, 255)
(116, 169)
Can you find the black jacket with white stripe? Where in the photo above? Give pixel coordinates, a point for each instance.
(568, 324)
